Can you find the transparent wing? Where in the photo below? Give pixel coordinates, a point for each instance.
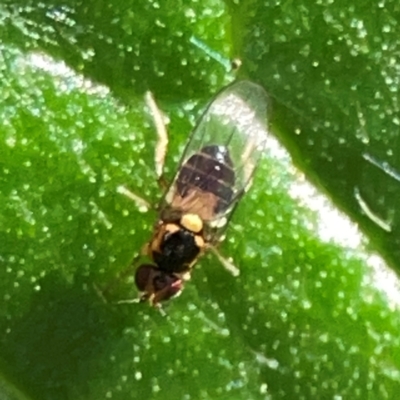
(220, 158)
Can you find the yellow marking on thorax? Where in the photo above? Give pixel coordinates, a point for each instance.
(192, 222)
(199, 241)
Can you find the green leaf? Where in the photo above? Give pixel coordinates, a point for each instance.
(332, 72)
(308, 316)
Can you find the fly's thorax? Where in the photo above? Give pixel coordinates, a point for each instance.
(177, 244)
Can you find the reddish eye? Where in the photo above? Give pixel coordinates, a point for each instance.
(143, 275)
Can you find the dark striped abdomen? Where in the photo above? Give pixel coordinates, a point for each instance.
(210, 170)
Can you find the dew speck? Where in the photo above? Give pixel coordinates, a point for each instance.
(138, 375)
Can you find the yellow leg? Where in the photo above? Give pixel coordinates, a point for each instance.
(226, 263)
(162, 142)
(142, 204)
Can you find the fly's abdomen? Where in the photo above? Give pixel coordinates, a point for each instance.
(211, 171)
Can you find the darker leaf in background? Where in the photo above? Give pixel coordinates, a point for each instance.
(303, 319)
(332, 70)
(58, 341)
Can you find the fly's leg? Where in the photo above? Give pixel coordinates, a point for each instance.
(142, 204)
(138, 300)
(226, 263)
(162, 138)
(159, 154)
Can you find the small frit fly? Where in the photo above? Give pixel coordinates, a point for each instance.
(216, 169)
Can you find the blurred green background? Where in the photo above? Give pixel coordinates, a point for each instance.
(310, 316)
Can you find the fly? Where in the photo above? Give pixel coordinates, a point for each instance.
(215, 170)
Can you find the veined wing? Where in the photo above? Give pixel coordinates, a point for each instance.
(220, 158)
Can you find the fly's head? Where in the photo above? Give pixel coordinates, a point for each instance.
(157, 285)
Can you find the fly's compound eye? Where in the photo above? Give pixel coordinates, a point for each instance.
(158, 285)
(144, 275)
